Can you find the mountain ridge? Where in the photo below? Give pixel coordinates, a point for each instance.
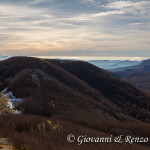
(73, 78)
(61, 97)
(137, 75)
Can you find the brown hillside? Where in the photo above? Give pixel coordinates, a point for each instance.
(62, 97)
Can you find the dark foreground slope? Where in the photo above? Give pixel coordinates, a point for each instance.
(120, 93)
(70, 97)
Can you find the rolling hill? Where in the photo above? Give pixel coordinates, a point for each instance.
(64, 96)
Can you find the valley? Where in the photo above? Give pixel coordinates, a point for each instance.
(137, 75)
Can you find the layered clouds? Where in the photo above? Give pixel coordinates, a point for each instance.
(75, 27)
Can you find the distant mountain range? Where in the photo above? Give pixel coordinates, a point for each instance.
(3, 57)
(113, 64)
(105, 64)
(138, 75)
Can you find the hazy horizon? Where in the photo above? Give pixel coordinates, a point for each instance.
(95, 58)
(85, 58)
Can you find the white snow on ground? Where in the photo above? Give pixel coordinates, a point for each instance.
(12, 100)
(16, 112)
(9, 104)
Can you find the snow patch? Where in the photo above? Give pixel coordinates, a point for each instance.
(16, 112)
(12, 100)
(9, 104)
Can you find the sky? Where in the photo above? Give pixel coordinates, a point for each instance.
(111, 28)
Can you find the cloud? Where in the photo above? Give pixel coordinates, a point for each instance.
(128, 6)
(92, 2)
(42, 26)
(97, 3)
(138, 7)
(83, 17)
(34, 2)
